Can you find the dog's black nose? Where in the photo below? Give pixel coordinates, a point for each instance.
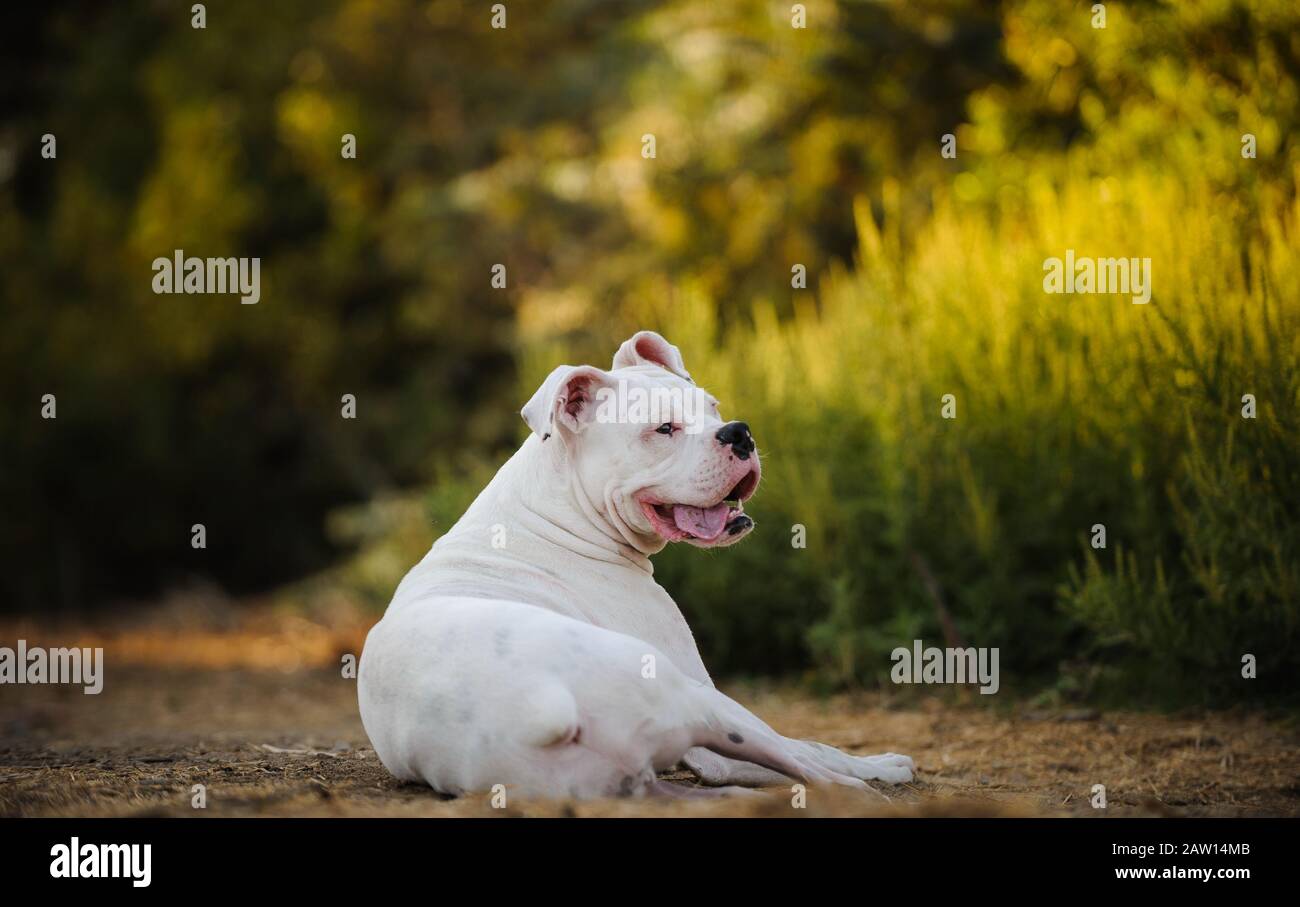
(736, 436)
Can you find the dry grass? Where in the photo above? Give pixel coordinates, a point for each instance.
(290, 743)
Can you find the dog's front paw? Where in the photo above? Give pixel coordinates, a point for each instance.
(888, 767)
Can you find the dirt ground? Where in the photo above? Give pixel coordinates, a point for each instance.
(271, 731)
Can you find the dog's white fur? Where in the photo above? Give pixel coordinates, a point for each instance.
(551, 661)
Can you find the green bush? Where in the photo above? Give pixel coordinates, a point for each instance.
(1072, 411)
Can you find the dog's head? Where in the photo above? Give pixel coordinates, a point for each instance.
(648, 447)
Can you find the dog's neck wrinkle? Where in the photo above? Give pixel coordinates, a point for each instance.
(560, 512)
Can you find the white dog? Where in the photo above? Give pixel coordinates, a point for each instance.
(531, 647)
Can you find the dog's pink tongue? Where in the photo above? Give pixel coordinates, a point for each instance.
(703, 523)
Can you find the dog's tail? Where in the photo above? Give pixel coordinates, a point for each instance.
(551, 716)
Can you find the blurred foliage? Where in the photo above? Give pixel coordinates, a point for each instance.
(775, 146)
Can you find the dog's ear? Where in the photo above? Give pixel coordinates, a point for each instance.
(566, 399)
(648, 348)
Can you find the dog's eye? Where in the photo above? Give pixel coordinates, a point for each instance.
(665, 429)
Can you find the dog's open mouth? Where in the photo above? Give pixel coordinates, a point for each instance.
(684, 522)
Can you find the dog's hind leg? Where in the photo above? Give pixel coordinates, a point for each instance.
(674, 791)
(715, 769)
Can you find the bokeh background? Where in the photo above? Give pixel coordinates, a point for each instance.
(776, 147)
